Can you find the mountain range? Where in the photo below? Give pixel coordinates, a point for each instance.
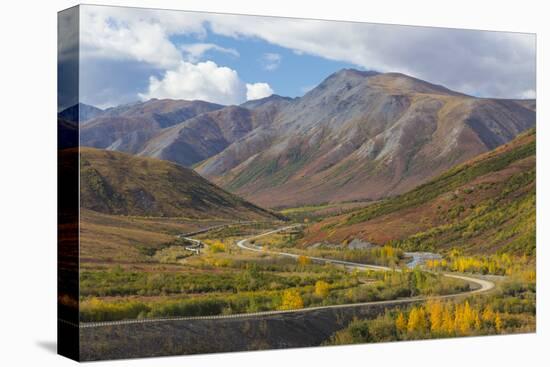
(357, 135)
(127, 128)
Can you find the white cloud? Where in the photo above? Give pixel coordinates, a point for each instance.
(483, 63)
(490, 64)
(204, 81)
(134, 34)
(195, 51)
(143, 35)
(257, 91)
(271, 61)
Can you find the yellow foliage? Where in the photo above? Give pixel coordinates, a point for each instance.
(292, 300)
(435, 310)
(447, 324)
(417, 320)
(219, 263)
(304, 260)
(495, 264)
(458, 318)
(448, 319)
(388, 251)
(322, 289)
(401, 322)
(465, 318)
(528, 276)
(217, 246)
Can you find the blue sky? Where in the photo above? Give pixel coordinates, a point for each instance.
(291, 76)
(131, 54)
(287, 72)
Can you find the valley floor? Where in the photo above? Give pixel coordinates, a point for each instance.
(243, 277)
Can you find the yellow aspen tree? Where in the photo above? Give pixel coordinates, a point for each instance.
(448, 320)
(414, 320)
(417, 320)
(292, 300)
(430, 264)
(436, 315)
(461, 265)
(389, 252)
(322, 289)
(401, 322)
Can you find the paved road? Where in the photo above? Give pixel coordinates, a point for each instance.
(198, 244)
(243, 244)
(220, 226)
(196, 247)
(484, 286)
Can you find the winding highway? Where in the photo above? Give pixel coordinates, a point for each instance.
(484, 286)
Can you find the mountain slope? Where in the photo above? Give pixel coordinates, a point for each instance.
(363, 135)
(127, 128)
(118, 183)
(200, 137)
(273, 101)
(208, 134)
(485, 205)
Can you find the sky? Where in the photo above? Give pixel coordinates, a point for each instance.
(132, 54)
